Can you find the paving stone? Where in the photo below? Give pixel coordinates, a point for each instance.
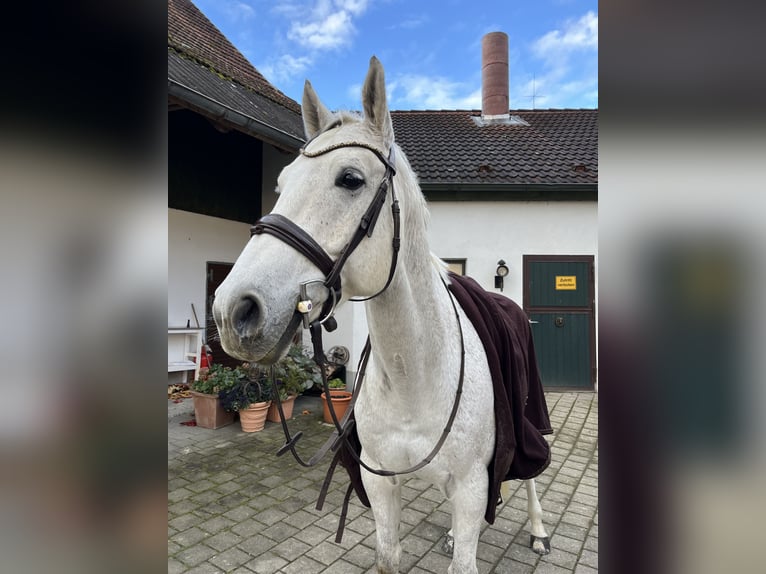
(326, 552)
(411, 516)
(519, 551)
(234, 507)
(303, 565)
(248, 528)
(361, 556)
(195, 554)
(224, 540)
(571, 518)
(589, 558)
(266, 563)
(291, 549)
(572, 530)
(490, 552)
(184, 521)
(550, 568)
(230, 559)
(571, 545)
(280, 531)
(216, 524)
(362, 525)
(256, 545)
(189, 537)
(508, 566)
(433, 562)
(205, 568)
(416, 545)
(429, 531)
(343, 567)
(591, 543)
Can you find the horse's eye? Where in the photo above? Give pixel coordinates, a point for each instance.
(350, 179)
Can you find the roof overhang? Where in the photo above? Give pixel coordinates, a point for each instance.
(188, 97)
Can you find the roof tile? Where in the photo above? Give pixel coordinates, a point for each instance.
(557, 147)
(191, 34)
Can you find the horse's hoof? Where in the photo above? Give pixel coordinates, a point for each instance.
(448, 544)
(540, 545)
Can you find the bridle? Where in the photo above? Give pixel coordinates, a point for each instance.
(293, 235)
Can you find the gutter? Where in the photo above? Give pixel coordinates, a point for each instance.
(241, 121)
(456, 191)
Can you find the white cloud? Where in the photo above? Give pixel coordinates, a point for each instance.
(560, 83)
(577, 35)
(356, 7)
(238, 11)
(432, 93)
(333, 31)
(329, 25)
(285, 68)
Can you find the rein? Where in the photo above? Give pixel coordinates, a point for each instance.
(293, 235)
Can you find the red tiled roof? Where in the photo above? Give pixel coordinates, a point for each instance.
(193, 35)
(449, 147)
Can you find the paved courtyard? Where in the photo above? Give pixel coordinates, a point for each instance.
(233, 506)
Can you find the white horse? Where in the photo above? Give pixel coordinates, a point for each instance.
(413, 372)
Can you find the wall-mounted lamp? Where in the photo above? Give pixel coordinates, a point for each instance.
(500, 273)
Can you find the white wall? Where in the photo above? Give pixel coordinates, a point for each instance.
(193, 240)
(484, 232)
(480, 232)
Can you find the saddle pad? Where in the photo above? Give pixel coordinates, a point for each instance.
(521, 413)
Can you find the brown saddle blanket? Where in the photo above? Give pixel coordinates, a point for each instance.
(521, 414)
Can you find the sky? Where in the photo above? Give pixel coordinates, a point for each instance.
(430, 49)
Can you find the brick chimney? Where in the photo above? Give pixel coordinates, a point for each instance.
(494, 76)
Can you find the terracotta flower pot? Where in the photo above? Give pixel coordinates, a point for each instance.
(208, 411)
(287, 408)
(340, 401)
(253, 418)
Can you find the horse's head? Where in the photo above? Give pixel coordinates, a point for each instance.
(325, 192)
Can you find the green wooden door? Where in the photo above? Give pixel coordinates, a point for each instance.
(559, 299)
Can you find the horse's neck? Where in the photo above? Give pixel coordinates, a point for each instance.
(412, 327)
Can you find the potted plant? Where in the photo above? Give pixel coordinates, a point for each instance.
(208, 411)
(250, 396)
(339, 397)
(295, 373)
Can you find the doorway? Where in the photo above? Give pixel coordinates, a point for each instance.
(559, 299)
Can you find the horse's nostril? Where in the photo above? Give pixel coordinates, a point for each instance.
(246, 315)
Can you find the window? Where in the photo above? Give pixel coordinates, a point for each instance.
(457, 266)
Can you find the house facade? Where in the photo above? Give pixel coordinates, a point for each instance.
(518, 187)
(230, 133)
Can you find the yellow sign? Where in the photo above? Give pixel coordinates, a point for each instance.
(566, 283)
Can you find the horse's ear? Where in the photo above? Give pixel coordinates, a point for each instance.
(315, 114)
(374, 101)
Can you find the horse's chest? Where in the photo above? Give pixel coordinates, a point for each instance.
(397, 435)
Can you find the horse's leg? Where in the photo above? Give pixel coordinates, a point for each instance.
(538, 541)
(385, 496)
(469, 502)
